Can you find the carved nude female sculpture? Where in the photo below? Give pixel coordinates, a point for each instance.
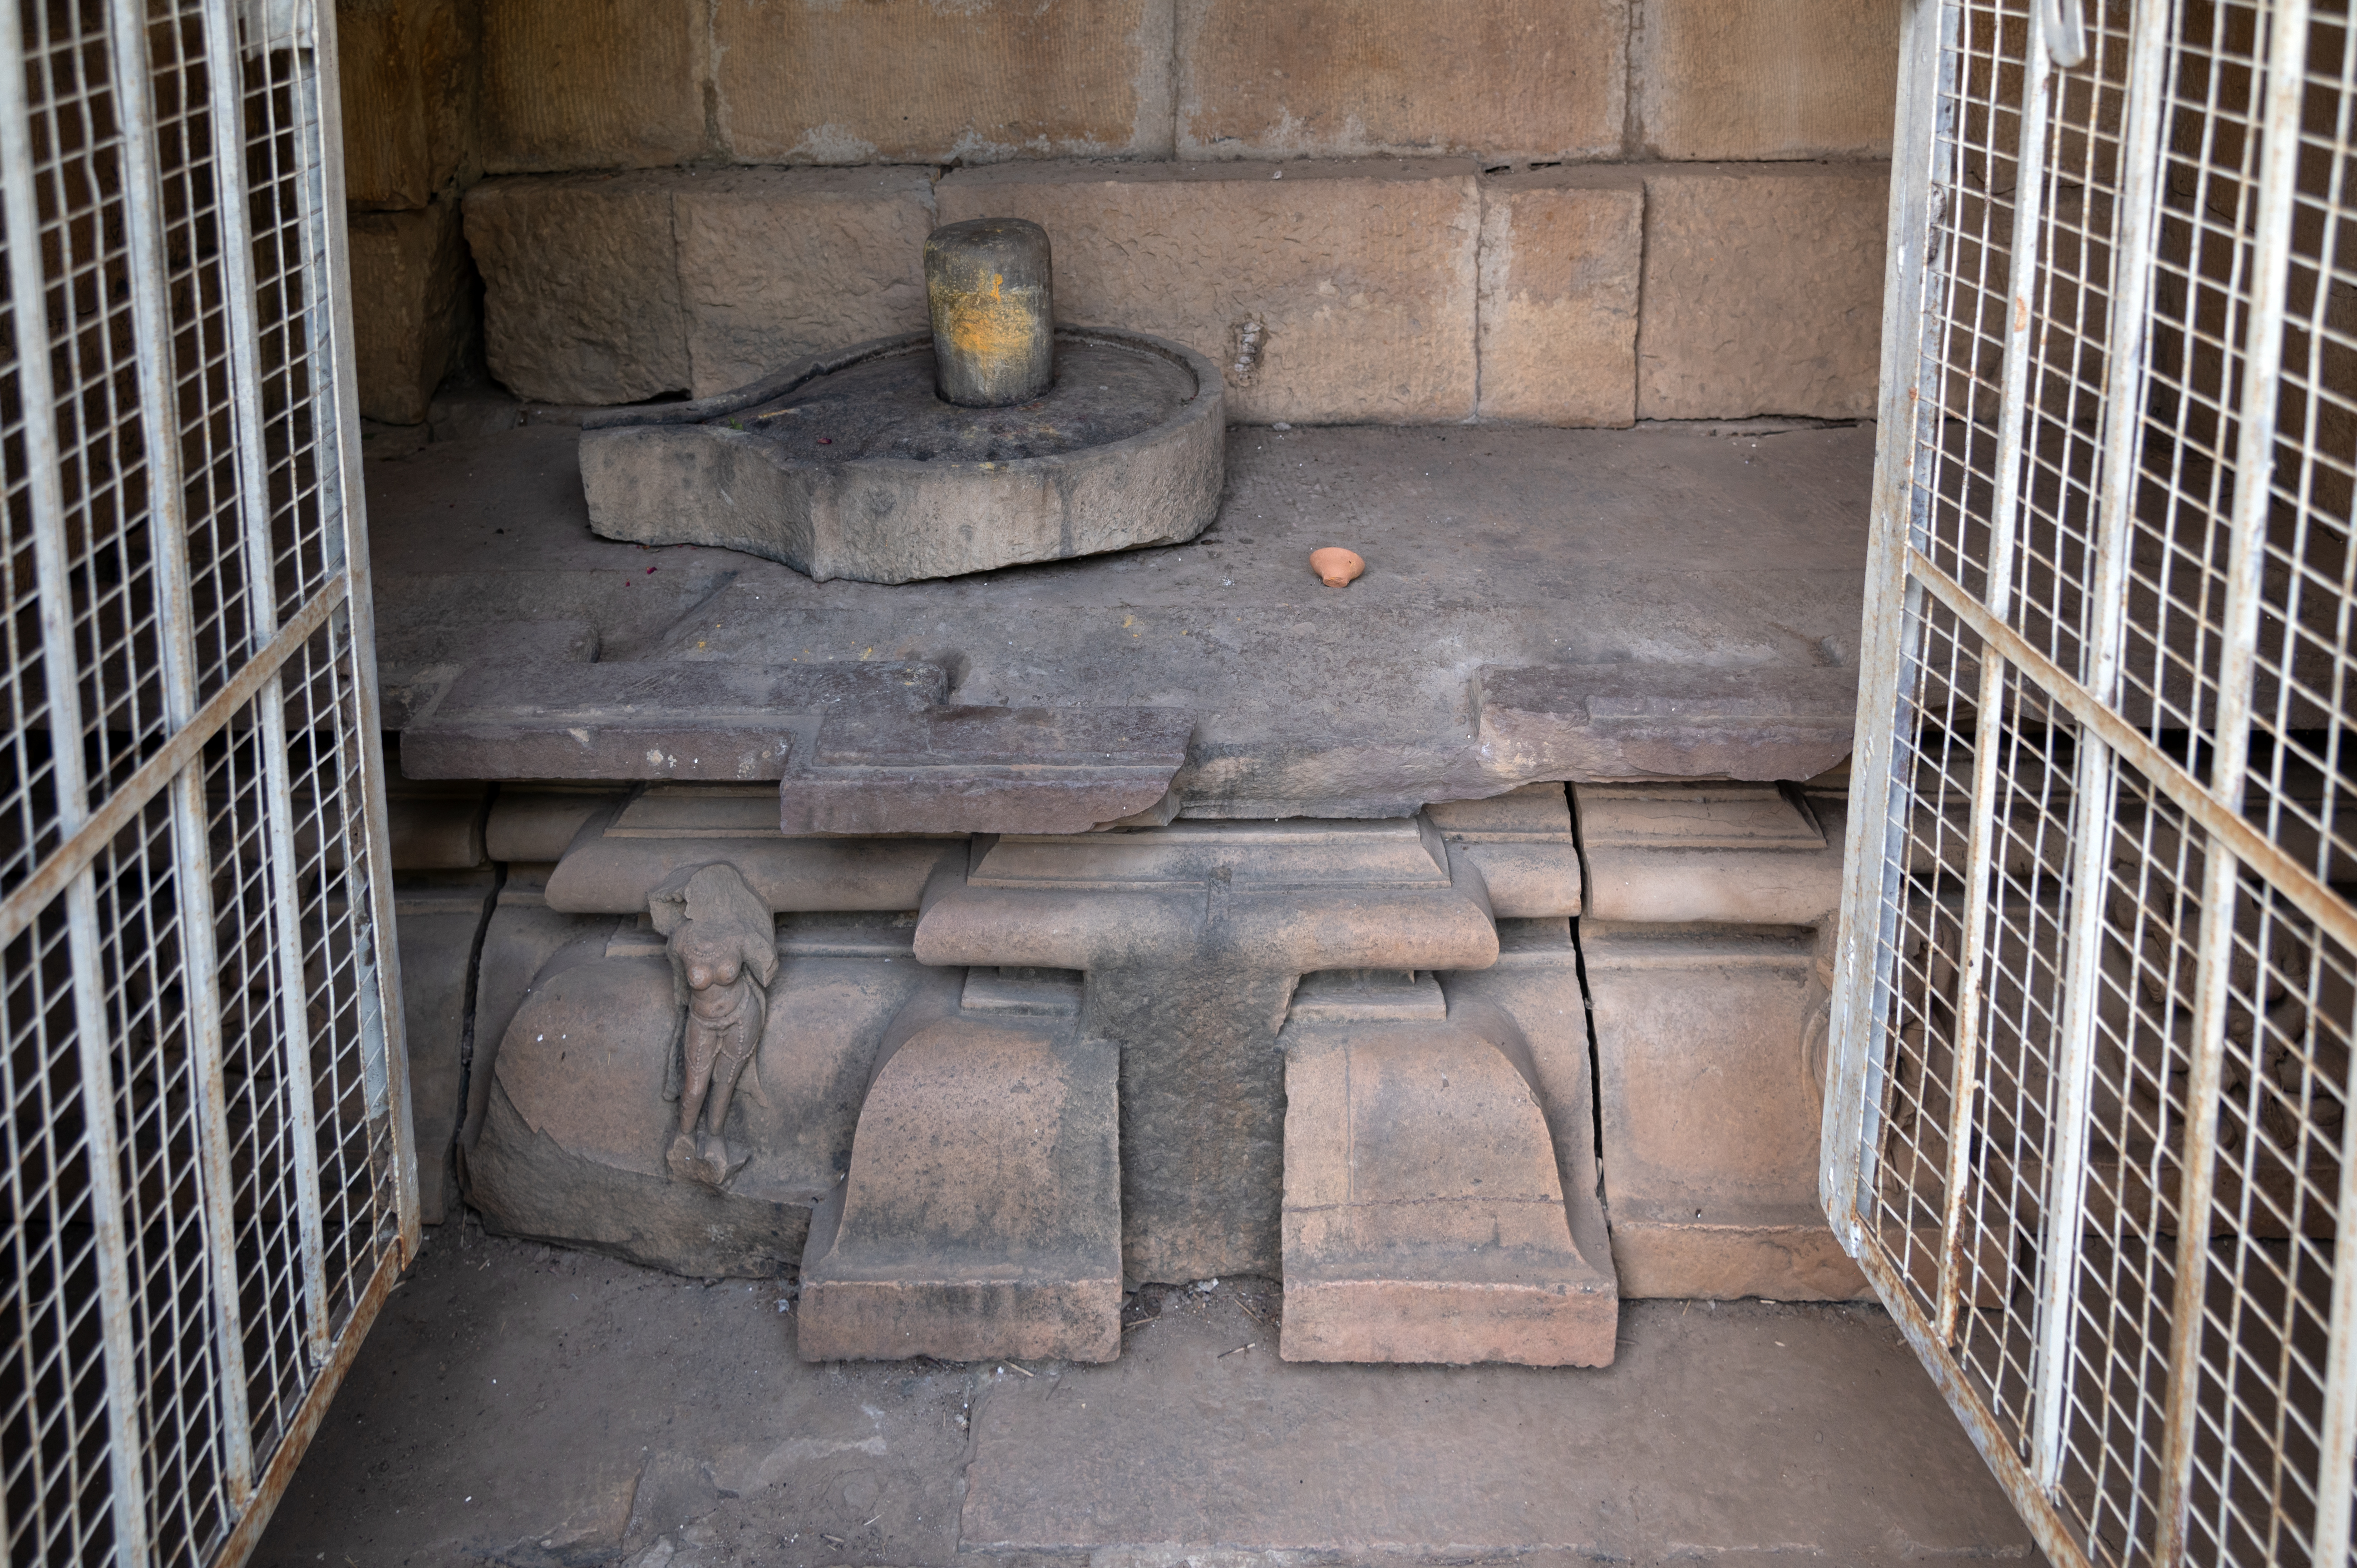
(724, 954)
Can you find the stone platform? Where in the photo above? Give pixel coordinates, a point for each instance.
(1538, 604)
(981, 949)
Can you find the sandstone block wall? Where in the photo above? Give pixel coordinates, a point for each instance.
(1562, 212)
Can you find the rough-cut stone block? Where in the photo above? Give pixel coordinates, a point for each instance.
(411, 308)
(1763, 291)
(1711, 1105)
(860, 747)
(1660, 721)
(982, 1213)
(612, 866)
(581, 296)
(576, 85)
(1423, 1216)
(1502, 78)
(403, 68)
(1360, 275)
(1767, 79)
(1521, 844)
(921, 81)
(1734, 853)
(1561, 252)
(777, 265)
(437, 915)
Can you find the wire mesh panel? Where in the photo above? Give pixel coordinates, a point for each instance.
(2087, 1126)
(208, 1180)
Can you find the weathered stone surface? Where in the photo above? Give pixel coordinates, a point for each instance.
(1532, 1003)
(1735, 854)
(669, 827)
(1424, 1218)
(404, 71)
(1502, 79)
(1763, 291)
(525, 945)
(583, 1106)
(433, 825)
(438, 915)
(777, 265)
(746, 471)
(581, 290)
(915, 81)
(1359, 274)
(1767, 79)
(1711, 1106)
(1191, 937)
(1561, 255)
(1521, 844)
(982, 1214)
(539, 825)
(409, 274)
(1607, 553)
(1664, 722)
(859, 748)
(580, 84)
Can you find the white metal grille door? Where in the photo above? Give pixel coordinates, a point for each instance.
(207, 1187)
(2087, 1128)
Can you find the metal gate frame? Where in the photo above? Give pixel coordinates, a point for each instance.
(211, 1177)
(2064, 806)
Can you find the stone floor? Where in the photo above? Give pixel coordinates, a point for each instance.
(522, 1405)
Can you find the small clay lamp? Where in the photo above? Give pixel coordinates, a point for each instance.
(1336, 566)
(989, 284)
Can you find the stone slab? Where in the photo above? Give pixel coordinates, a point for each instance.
(411, 268)
(1767, 79)
(1360, 274)
(1615, 552)
(404, 71)
(1763, 291)
(612, 868)
(1733, 854)
(1503, 80)
(912, 81)
(523, 1378)
(582, 301)
(982, 1213)
(1521, 844)
(1562, 257)
(777, 265)
(586, 84)
(859, 747)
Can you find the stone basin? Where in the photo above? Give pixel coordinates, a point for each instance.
(849, 466)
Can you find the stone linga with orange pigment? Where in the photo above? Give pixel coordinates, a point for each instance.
(995, 439)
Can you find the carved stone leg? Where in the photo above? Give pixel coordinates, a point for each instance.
(1423, 1216)
(982, 1217)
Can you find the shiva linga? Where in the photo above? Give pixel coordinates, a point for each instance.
(996, 439)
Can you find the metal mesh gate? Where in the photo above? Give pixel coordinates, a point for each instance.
(2087, 1128)
(208, 1180)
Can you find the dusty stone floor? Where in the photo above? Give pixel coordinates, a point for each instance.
(523, 1405)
